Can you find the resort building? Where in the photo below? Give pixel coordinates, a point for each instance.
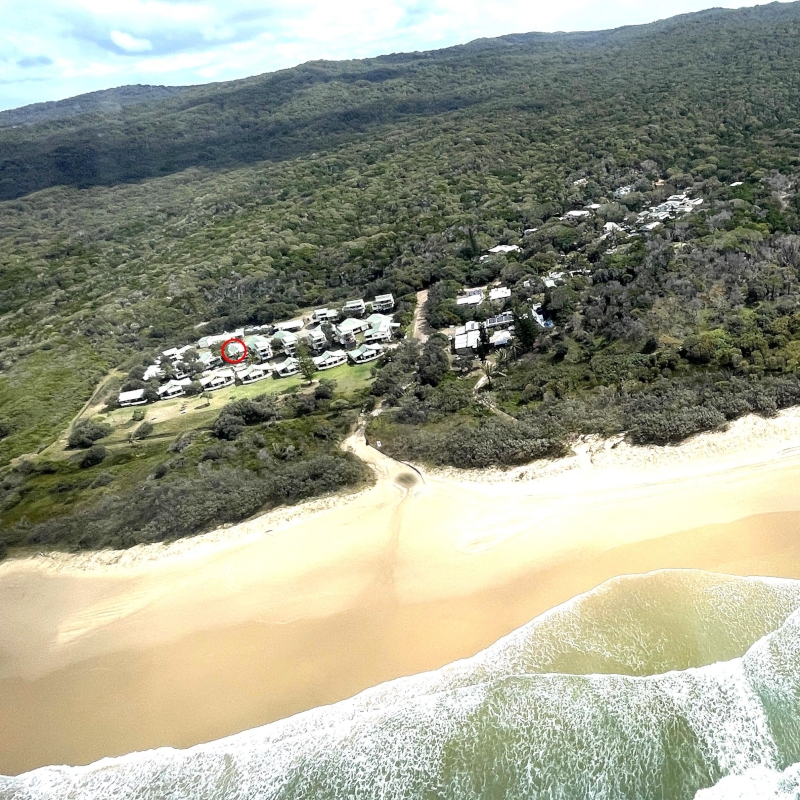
(153, 371)
(383, 302)
(324, 315)
(133, 398)
(218, 379)
(330, 359)
(286, 341)
(346, 331)
(209, 358)
(500, 338)
(287, 368)
(290, 325)
(365, 353)
(259, 346)
(380, 328)
(173, 388)
(499, 293)
(354, 307)
(316, 339)
(253, 373)
(466, 341)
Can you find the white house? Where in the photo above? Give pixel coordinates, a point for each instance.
(380, 329)
(365, 353)
(173, 388)
(469, 326)
(286, 340)
(153, 371)
(133, 398)
(354, 307)
(330, 359)
(506, 318)
(467, 341)
(316, 339)
(346, 331)
(259, 346)
(209, 358)
(218, 338)
(218, 379)
(471, 297)
(287, 368)
(579, 214)
(612, 227)
(500, 338)
(324, 314)
(737, 183)
(499, 293)
(505, 248)
(290, 325)
(383, 302)
(253, 373)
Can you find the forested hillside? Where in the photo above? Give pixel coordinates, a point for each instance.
(243, 203)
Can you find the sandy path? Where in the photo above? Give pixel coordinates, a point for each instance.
(175, 645)
(419, 330)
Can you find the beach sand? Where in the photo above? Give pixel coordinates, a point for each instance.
(175, 645)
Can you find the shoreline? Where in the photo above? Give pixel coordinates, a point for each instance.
(597, 463)
(173, 645)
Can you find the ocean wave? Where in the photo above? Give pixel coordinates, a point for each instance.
(758, 783)
(651, 686)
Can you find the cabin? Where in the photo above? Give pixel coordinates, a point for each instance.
(330, 359)
(346, 331)
(286, 341)
(324, 314)
(358, 307)
(292, 325)
(287, 368)
(253, 373)
(259, 346)
(499, 321)
(499, 293)
(500, 338)
(316, 339)
(464, 342)
(380, 328)
(218, 379)
(365, 353)
(173, 389)
(133, 398)
(383, 302)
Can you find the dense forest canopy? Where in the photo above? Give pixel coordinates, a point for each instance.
(124, 226)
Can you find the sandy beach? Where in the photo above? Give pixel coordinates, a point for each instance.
(174, 645)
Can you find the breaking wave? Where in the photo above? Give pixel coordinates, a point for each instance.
(667, 685)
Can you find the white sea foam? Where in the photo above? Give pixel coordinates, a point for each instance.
(642, 688)
(758, 783)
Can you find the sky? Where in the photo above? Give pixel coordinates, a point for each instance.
(52, 49)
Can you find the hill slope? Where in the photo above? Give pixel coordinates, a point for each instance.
(256, 200)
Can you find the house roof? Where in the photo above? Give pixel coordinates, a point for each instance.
(468, 339)
(134, 394)
(352, 325)
(285, 336)
(499, 293)
(364, 349)
(382, 298)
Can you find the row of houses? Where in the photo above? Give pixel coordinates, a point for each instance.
(673, 206)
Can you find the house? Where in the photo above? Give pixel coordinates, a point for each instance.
(467, 341)
(505, 248)
(218, 379)
(153, 371)
(500, 338)
(612, 227)
(287, 368)
(472, 297)
(469, 326)
(209, 358)
(330, 359)
(175, 353)
(286, 341)
(218, 338)
(173, 388)
(383, 302)
(623, 191)
(380, 329)
(499, 293)
(253, 373)
(580, 182)
(178, 370)
(529, 230)
(576, 214)
(346, 331)
(499, 321)
(651, 226)
(738, 183)
(290, 325)
(133, 398)
(259, 346)
(324, 314)
(316, 339)
(354, 307)
(592, 206)
(365, 353)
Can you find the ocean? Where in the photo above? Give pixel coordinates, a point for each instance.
(676, 684)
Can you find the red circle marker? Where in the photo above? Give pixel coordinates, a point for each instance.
(233, 360)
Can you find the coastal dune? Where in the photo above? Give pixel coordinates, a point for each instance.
(180, 644)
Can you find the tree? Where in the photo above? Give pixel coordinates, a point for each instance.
(484, 345)
(85, 432)
(93, 456)
(307, 366)
(525, 330)
(433, 363)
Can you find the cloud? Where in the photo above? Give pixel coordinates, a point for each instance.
(97, 44)
(128, 43)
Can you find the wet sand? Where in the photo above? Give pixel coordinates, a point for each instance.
(212, 639)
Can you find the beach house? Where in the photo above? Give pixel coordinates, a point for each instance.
(135, 397)
(354, 307)
(330, 359)
(383, 302)
(259, 346)
(287, 368)
(253, 373)
(365, 353)
(471, 297)
(499, 293)
(380, 328)
(218, 379)
(173, 388)
(292, 325)
(324, 315)
(285, 341)
(316, 339)
(347, 329)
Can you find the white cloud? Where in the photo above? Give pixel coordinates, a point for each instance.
(130, 43)
(91, 42)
